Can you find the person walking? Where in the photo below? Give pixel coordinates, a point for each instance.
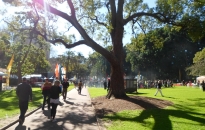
(65, 84)
(24, 94)
(54, 98)
(159, 85)
(80, 85)
(46, 93)
(56, 78)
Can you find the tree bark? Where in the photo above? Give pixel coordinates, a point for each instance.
(117, 83)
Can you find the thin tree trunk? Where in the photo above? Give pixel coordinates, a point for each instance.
(19, 74)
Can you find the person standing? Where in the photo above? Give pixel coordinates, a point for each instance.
(65, 84)
(54, 98)
(80, 85)
(24, 94)
(108, 85)
(159, 85)
(46, 93)
(105, 85)
(203, 85)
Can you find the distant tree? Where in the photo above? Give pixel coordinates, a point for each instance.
(4, 48)
(165, 58)
(198, 67)
(28, 50)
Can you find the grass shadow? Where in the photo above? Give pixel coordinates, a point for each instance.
(136, 93)
(161, 117)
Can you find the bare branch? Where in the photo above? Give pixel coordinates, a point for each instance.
(107, 5)
(66, 44)
(56, 12)
(157, 16)
(96, 19)
(141, 27)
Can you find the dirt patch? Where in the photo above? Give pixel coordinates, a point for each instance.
(105, 106)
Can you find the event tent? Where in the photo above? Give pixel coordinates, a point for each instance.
(2, 74)
(200, 78)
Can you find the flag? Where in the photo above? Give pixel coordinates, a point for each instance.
(9, 70)
(10, 64)
(57, 71)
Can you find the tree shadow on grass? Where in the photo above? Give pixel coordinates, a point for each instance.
(152, 109)
(137, 93)
(161, 117)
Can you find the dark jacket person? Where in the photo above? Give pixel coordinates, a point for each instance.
(24, 94)
(65, 84)
(54, 98)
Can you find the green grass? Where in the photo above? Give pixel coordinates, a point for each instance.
(96, 92)
(9, 102)
(187, 113)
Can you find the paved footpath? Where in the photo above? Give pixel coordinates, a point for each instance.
(76, 113)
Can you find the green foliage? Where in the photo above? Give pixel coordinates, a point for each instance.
(28, 49)
(199, 64)
(35, 58)
(4, 48)
(164, 60)
(97, 65)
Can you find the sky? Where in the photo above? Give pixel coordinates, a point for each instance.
(83, 49)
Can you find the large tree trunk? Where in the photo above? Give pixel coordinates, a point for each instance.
(117, 83)
(117, 71)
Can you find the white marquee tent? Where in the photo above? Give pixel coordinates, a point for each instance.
(200, 78)
(2, 74)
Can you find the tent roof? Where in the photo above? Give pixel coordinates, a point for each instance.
(201, 77)
(2, 74)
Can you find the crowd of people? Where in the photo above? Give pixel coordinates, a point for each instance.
(154, 83)
(51, 92)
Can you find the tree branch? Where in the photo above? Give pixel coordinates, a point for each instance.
(113, 12)
(157, 16)
(71, 8)
(57, 12)
(89, 42)
(141, 27)
(96, 19)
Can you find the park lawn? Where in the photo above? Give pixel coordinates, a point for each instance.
(9, 102)
(187, 113)
(96, 92)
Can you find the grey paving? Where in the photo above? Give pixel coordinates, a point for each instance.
(76, 113)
